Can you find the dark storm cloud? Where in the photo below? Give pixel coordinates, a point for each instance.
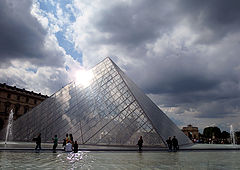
(217, 17)
(22, 36)
(176, 75)
(136, 23)
(219, 108)
(210, 92)
(203, 81)
(143, 21)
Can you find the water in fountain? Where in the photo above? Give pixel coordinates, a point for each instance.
(9, 126)
(232, 135)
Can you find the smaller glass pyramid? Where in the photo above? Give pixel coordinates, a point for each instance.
(109, 110)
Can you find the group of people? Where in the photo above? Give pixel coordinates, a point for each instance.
(68, 143)
(172, 144)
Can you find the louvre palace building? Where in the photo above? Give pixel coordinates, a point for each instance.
(20, 100)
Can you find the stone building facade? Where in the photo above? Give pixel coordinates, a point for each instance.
(191, 132)
(20, 100)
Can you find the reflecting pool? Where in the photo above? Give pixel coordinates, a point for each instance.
(121, 160)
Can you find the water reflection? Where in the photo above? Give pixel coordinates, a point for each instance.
(75, 160)
(12, 160)
(120, 160)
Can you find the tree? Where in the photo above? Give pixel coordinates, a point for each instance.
(237, 136)
(225, 135)
(209, 132)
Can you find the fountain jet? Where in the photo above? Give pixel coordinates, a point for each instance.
(232, 135)
(9, 126)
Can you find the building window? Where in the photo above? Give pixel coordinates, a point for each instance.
(18, 97)
(7, 106)
(35, 101)
(17, 106)
(1, 123)
(9, 95)
(25, 109)
(27, 99)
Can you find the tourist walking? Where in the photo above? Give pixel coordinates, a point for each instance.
(169, 143)
(55, 143)
(38, 142)
(75, 147)
(140, 143)
(64, 143)
(175, 143)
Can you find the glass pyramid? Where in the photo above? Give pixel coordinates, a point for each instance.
(109, 110)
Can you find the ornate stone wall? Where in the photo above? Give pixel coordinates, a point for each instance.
(20, 100)
(191, 132)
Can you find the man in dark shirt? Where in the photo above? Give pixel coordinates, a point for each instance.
(169, 143)
(140, 143)
(175, 143)
(38, 142)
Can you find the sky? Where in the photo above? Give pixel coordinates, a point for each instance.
(183, 54)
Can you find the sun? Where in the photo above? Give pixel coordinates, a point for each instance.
(83, 77)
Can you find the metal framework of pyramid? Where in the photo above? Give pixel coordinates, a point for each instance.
(111, 110)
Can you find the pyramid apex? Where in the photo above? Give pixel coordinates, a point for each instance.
(108, 58)
(105, 60)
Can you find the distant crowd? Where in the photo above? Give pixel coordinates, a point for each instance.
(69, 145)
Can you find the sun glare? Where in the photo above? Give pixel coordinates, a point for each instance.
(83, 77)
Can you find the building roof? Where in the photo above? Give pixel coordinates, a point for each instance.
(4, 86)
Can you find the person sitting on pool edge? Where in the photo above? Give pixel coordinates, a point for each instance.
(68, 147)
